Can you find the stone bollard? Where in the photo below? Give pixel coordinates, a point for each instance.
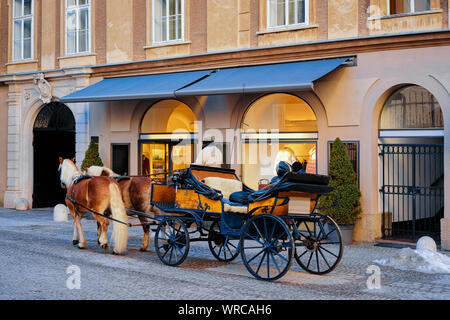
(60, 213)
(21, 204)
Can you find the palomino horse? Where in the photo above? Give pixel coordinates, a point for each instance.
(136, 192)
(101, 195)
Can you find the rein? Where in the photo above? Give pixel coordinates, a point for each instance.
(92, 211)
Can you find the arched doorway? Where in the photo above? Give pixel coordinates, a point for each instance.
(53, 137)
(411, 137)
(277, 127)
(167, 139)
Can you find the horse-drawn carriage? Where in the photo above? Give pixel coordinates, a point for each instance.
(269, 228)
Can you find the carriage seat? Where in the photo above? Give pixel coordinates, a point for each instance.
(227, 187)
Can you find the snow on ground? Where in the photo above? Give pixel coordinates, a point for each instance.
(421, 260)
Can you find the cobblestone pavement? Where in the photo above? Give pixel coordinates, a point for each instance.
(35, 253)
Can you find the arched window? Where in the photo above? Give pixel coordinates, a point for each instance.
(168, 116)
(283, 112)
(167, 138)
(55, 116)
(411, 107)
(277, 127)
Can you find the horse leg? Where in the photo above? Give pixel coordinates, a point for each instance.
(75, 237)
(103, 235)
(146, 228)
(99, 232)
(82, 242)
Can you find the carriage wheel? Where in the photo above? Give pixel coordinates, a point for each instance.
(223, 247)
(267, 247)
(319, 246)
(172, 241)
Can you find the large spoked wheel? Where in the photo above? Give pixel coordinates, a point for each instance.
(172, 241)
(223, 247)
(267, 247)
(319, 245)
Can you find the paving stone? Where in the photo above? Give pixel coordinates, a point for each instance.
(36, 252)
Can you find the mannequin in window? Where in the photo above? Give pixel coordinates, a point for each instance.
(210, 156)
(145, 165)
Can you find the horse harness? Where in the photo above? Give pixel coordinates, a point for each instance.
(77, 180)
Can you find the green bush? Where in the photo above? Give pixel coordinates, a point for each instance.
(92, 157)
(344, 181)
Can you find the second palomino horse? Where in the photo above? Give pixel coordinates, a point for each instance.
(99, 194)
(135, 191)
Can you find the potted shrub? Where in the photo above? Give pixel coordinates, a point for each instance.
(346, 194)
(91, 157)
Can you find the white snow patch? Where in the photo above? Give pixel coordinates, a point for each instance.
(420, 260)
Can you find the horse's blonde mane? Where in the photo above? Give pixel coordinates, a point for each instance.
(69, 172)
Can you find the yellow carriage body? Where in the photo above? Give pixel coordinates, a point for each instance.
(226, 181)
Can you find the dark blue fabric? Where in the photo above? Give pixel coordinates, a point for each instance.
(264, 78)
(275, 180)
(137, 87)
(240, 197)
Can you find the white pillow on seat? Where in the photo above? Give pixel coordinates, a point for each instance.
(226, 186)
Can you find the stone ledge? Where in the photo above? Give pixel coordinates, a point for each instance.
(445, 233)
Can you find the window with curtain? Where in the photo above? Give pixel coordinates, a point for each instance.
(287, 12)
(77, 26)
(168, 20)
(408, 6)
(22, 29)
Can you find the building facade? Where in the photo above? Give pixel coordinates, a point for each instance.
(388, 99)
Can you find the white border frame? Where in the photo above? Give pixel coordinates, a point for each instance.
(286, 16)
(77, 8)
(22, 17)
(154, 42)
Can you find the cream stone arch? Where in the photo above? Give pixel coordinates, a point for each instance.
(314, 102)
(142, 107)
(371, 110)
(139, 112)
(26, 146)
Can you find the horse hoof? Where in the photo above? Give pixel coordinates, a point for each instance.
(75, 242)
(81, 248)
(104, 246)
(143, 249)
(115, 253)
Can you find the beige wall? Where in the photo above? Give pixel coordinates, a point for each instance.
(347, 104)
(122, 29)
(342, 19)
(223, 25)
(119, 26)
(3, 140)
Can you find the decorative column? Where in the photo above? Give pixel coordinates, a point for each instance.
(81, 114)
(13, 191)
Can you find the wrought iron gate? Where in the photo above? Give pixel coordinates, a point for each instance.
(412, 190)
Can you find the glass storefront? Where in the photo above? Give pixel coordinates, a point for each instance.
(277, 127)
(263, 169)
(167, 139)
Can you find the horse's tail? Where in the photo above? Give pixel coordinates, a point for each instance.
(120, 230)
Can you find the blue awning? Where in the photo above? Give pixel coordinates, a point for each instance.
(261, 78)
(264, 78)
(136, 87)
